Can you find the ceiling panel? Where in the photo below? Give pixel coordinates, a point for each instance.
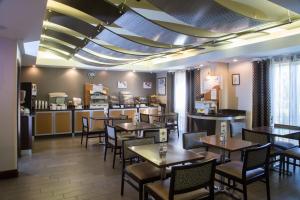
(62, 36)
(293, 5)
(206, 14)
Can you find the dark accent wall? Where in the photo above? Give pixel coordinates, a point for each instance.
(72, 81)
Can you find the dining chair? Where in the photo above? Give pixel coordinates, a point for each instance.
(172, 123)
(113, 142)
(255, 167)
(187, 182)
(88, 133)
(137, 173)
(155, 134)
(285, 144)
(192, 142)
(288, 154)
(262, 139)
(144, 118)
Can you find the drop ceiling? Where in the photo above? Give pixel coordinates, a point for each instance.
(126, 34)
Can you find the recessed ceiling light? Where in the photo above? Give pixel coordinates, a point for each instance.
(34, 66)
(201, 65)
(235, 60)
(74, 68)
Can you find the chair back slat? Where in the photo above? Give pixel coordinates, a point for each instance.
(85, 124)
(111, 132)
(256, 157)
(255, 137)
(153, 134)
(127, 154)
(192, 140)
(144, 118)
(192, 177)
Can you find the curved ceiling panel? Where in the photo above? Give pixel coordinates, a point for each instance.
(206, 14)
(97, 8)
(86, 55)
(57, 51)
(126, 44)
(58, 46)
(101, 50)
(258, 9)
(65, 37)
(75, 13)
(53, 39)
(157, 16)
(290, 4)
(139, 25)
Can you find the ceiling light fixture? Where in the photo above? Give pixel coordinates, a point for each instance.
(235, 60)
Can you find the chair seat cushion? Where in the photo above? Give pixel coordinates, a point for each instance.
(143, 171)
(284, 145)
(294, 153)
(235, 168)
(161, 188)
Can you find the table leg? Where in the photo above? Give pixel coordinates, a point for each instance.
(163, 174)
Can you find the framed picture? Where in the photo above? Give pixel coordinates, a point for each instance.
(147, 85)
(161, 86)
(122, 84)
(235, 79)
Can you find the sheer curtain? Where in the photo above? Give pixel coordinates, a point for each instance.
(285, 90)
(180, 99)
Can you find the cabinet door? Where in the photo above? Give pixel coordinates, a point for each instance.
(63, 122)
(130, 113)
(153, 111)
(97, 124)
(115, 113)
(43, 123)
(144, 110)
(78, 119)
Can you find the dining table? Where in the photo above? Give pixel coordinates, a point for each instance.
(289, 133)
(164, 155)
(139, 126)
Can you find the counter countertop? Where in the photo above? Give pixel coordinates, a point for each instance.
(216, 116)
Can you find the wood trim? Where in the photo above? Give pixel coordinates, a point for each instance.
(9, 174)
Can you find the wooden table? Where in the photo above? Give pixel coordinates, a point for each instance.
(173, 156)
(140, 126)
(278, 132)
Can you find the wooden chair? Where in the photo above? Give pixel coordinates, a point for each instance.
(89, 134)
(191, 141)
(254, 168)
(294, 154)
(154, 134)
(144, 118)
(172, 123)
(187, 182)
(137, 174)
(262, 139)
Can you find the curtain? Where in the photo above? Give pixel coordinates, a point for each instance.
(285, 90)
(170, 92)
(261, 93)
(190, 94)
(180, 98)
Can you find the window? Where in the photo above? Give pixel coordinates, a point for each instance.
(180, 99)
(285, 91)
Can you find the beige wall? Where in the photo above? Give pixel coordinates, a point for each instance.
(217, 69)
(233, 97)
(72, 81)
(240, 96)
(8, 104)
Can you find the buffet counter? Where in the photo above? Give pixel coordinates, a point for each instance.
(56, 122)
(211, 122)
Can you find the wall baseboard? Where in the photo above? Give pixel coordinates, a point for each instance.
(9, 174)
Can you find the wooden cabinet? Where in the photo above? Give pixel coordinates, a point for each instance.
(130, 113)
(115, 112)
(43, 123)
(62, 122)
(97, 124)
(78, 119)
